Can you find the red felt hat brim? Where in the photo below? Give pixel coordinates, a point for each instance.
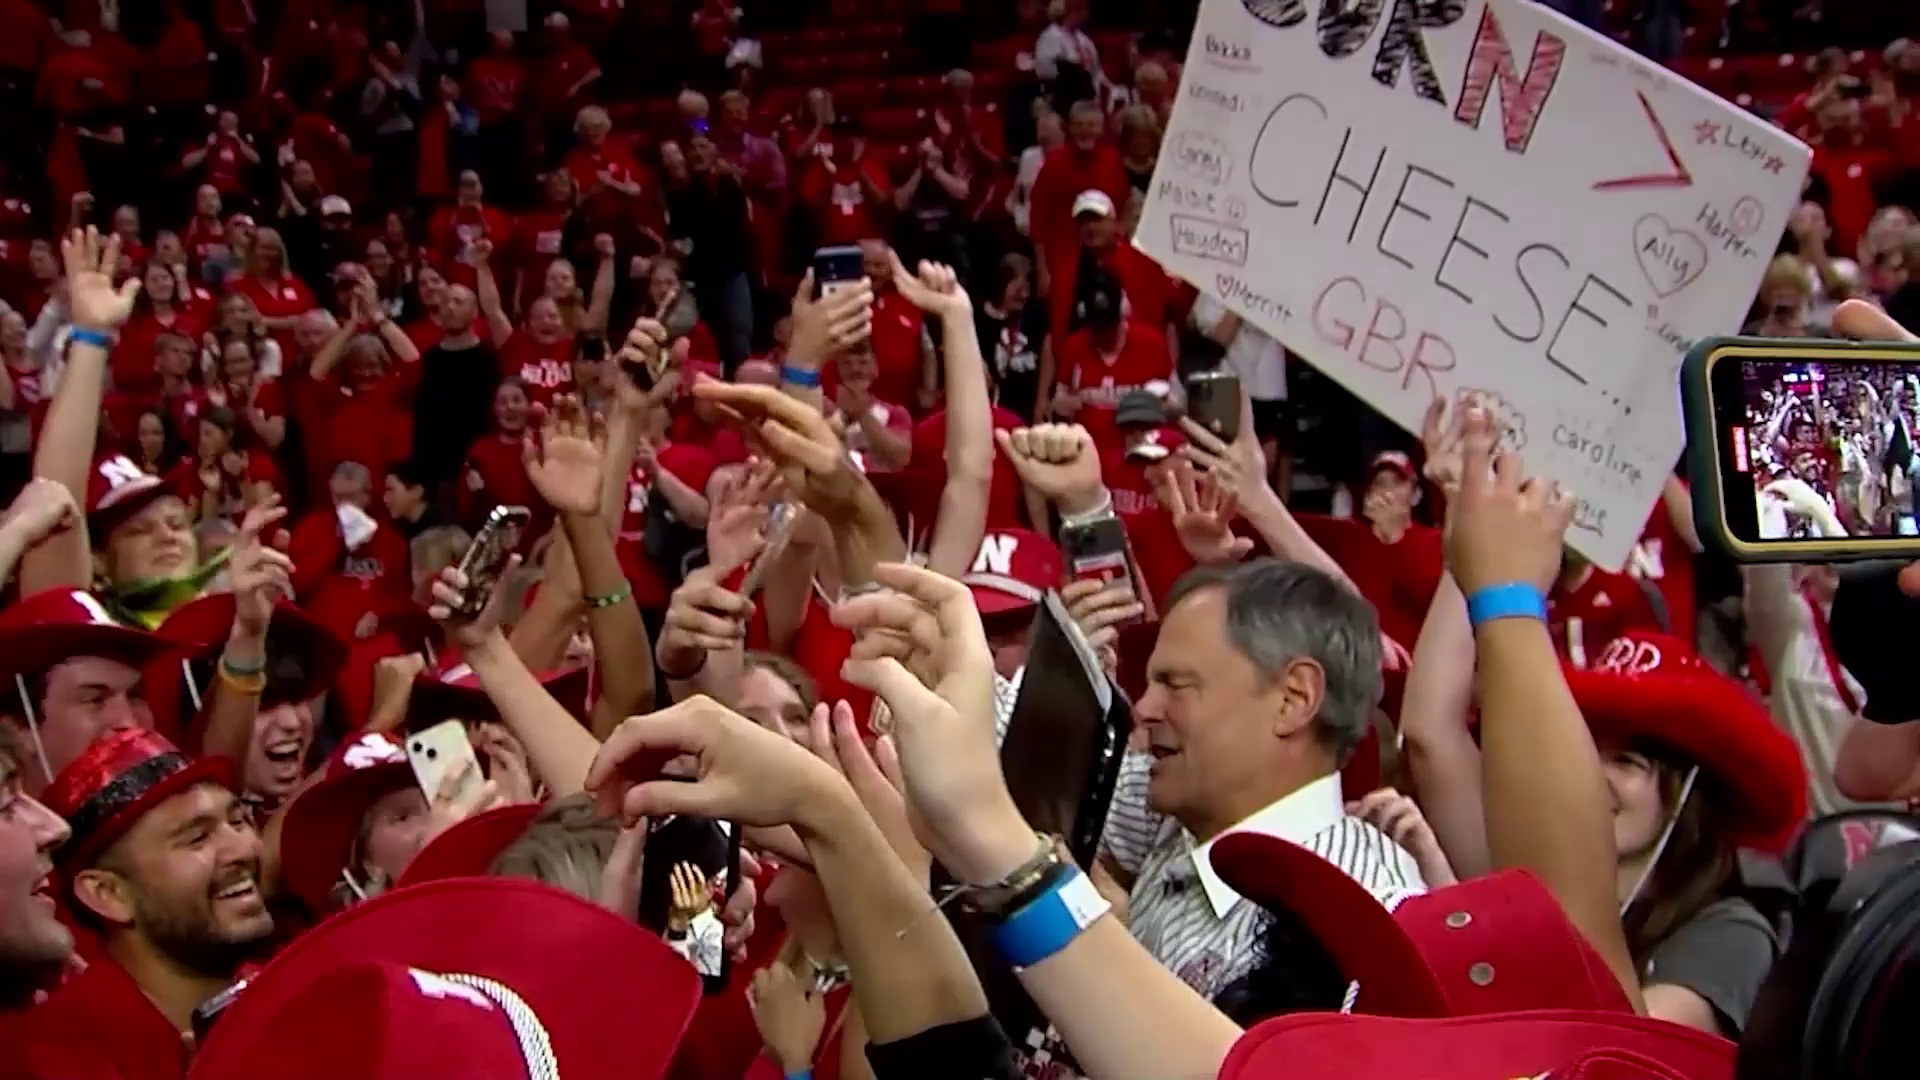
(1709, 721)
(31, 651)
(80, 851)
(1356, 929)
(613, 998)
(1546, 1042)
(469, 847)
(435, 700)
(322, 824)
(198, 631)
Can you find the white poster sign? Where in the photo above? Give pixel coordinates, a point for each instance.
(1427, 197)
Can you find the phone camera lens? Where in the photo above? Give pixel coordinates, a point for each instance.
(432, 754)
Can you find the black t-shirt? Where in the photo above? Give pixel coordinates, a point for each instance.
(713, 215)
(1010, 344)
(454, 407)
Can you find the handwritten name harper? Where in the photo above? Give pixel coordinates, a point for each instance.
(1722, 232)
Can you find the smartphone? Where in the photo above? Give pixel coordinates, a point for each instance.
(1067, 734)
(487, 557)
(208, 1011)
(1804, 451)
(1867, 601)
(1213, 400)
(440, 753)
(592, 348)
(836, 268)
(714, 847)
(1141, 416)
(782, 520)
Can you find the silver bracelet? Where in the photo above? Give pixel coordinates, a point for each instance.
(1105, 509)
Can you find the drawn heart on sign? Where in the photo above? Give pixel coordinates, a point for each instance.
(1670, 258)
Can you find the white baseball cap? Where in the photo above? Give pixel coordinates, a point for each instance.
(1093, 201)
(335, 205)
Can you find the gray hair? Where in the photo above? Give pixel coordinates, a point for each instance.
(1279, 612)
(352, 472)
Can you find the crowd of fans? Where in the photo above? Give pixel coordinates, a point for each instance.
(298, 295)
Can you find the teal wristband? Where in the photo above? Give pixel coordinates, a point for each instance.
(799, 376)
(97, 339)
(800, 1074)
(1514, 600)
(1050, 921)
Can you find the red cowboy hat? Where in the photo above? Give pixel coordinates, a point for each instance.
(1646, 687)
(456, 979)
(322, 823)
(59, 624)
(454, 692)
(468, 848)
(1549, 1042)
(198, 631)
(1498, 943)
(119, 777)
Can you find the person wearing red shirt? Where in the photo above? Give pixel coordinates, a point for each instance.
(927, 473)
(846, 186)
(878, 432)
(497, 83)
(1158, 553)
(257, 403)
(1663, 557)
(277, 294)
(173, 393)
(455, 229)
(364, 414)
(226, 159)
(902, 348)
(539, 237)
(614, 187)
(1088, 162)
(163, 862)
(1394, 562)
(564, 70)
(540, 354)
(1590, 607)
(964, 129)
(1851, 166)
(206, 235)
(1102, 362)
(155, 312)
(495, 472)
(662, 469)
(1152, 299)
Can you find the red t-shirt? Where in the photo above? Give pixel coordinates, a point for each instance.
(899, 332)
(1604, 606)
(1149, 297)
(546, 369)
(373, 426)
(270, 400)
(1850, 173)
(556, 74)
(693, 466)
(928, 472)
(224, 167)
(496, 475)
(280, 299)
(1066, 172)
(495, 84)
(538, 239)
(1663, 559)
(205, 238)
(1157, 550)
(1101, 380)
(454, 230)
(847, 214)
(1398, 579)
(132, 357)
(338, 587)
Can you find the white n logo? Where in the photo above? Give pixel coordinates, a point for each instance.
(996, 554)
(119, 471)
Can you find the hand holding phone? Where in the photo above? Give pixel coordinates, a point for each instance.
(488, 556)
(444, 764)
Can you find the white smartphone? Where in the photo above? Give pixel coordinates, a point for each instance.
(442, 752)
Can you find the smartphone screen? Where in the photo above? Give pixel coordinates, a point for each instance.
(837, 267)
(711, 850)
(1817, 443)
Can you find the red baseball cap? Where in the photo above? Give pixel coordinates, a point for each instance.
(119, 777)
(1013, 569)
(116, 489)
(476, 977)
(322, 823)
(1492, 944)
(60, 624)
(1548, 1042)
(468, 848)
(1392, 461)
(1646, 687)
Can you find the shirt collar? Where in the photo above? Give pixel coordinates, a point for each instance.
(1297, 818)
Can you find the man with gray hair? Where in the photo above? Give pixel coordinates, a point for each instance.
(1262, 682)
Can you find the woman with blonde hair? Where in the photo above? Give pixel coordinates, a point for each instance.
(1785, 301)
(1140, 133)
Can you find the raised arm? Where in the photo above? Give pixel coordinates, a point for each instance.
(487, 292)
(963, 503)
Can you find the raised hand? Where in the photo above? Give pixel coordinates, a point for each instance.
(790, 1014)
(260, 575)
(565, 461)
(944, 731)
(874, 775)
(1400, 818)
(691, 896)
(450, 604)
(1202, 507)
(92, 301)
(703, 616)
(44, 507)
(1241, 464)
(1504, 526)
(831, 324)
(507, 759)
(934, 289)
(812, 461)
(1057, 460)
(1100, 607)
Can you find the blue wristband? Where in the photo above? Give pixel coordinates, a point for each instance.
(800, 1074)
(95, 338)
(1050, 921)
(1514, 600)
(799, 376)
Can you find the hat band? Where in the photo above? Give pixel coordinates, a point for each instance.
(536, 1049)
(121, 792)
(1002, 583)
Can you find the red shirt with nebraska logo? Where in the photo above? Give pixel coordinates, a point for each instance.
(1663, 559)
(1100, 378)
(455, 229)
(1157, 551)
(338, 587)
(1150, 298)
(1585, 617)
(839, 195)
(692, 466)
(1398, 579)
(547, 369)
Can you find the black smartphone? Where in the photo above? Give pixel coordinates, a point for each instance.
(712, 847)
(1213, 400)
(487, 557)
(592, 348)
(1804, 450)
(209, 1011)
(835, 268)
(1867, 603)
(1067, 734)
